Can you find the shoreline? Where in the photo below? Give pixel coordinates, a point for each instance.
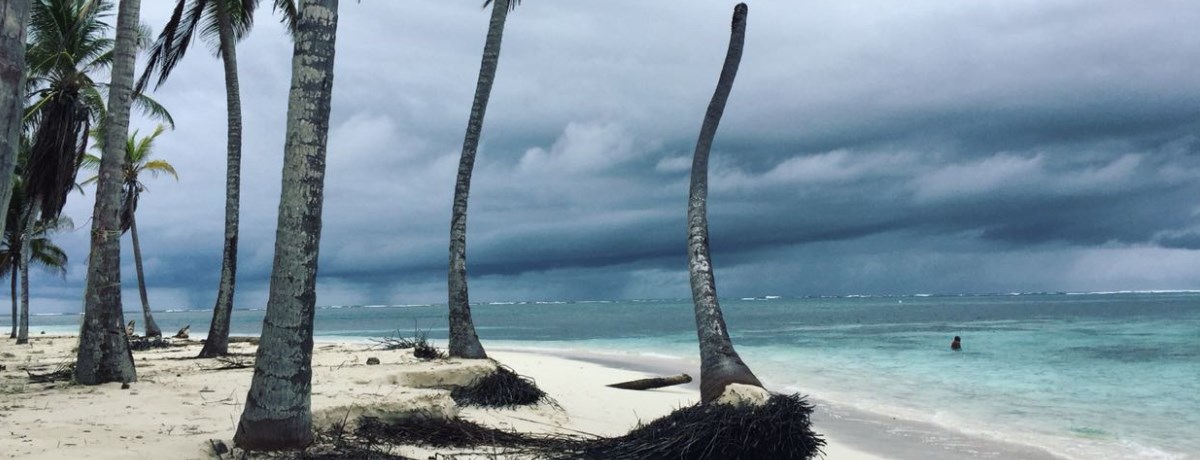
(178, 403)
(848, 430)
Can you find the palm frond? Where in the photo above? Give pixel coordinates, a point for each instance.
(512, 4)
(156, 167)
(288, 14)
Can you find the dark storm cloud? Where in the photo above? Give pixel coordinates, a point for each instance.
(867, 148)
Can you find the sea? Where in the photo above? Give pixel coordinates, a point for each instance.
(1068, 375)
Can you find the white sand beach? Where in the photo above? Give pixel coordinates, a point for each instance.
(179, 404)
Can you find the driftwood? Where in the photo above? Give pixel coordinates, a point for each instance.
(656, 382)
(183, 333)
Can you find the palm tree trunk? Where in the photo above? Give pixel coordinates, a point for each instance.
(464, 342)
(23, 328)
(720, 365)
(278, 411)
(14, 17)
(217, 343)
(13, 334)
(152, 329)
(104, 354)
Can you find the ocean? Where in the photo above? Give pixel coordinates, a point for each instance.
(1084, 376)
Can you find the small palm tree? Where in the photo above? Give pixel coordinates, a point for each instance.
(228, 21)
(138, 153)
(42, 252)
(464, 342)
(720, 365)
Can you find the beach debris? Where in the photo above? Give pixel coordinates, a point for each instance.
(146, 343)
(129, 329)
(64, 372)
(778, 429)
(502, 388)
(3, 367)
(652, 383)
(421, 346)
(232, 361)
(372, 361)
(183, 333)
(124, 385)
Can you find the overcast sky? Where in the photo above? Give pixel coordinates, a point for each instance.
(868, 148)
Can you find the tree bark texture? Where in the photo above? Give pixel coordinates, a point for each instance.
(217, 343)
(720, 365)
(464, 342)
(14, 19)
(152, 329)
(23, 269)
(13, 292)
(104, 354)
(278, 412)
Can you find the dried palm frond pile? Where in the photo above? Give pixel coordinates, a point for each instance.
(64, 372)
(779, 429)
(500, 389)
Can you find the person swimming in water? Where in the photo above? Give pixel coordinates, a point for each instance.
(956, 345)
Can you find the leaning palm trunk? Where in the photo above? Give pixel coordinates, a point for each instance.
(720, 365)
(23, 269)
(152, 329)
(14, 16)
(278, 413)
(104, 354)
(217, 343)
(464, 342)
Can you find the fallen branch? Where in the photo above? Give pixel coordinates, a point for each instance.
(652, 383)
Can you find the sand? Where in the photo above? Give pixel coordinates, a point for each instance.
(179, 404)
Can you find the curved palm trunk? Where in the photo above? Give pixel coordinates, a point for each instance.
(464, 342)
(217, 343)
(104, 354)
(720, 365)
(152, 329)
(14, 17)
(13, 334)
(278, 413)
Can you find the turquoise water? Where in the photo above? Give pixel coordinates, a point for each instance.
(1084, 376)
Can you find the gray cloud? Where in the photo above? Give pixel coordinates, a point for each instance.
(984, 147)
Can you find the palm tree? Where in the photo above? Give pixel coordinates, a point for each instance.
(231, 21)
(67, 44)
(12, 97)
(41, 250)
(278, 411)
(104, 354)
(137, 161)
(464, 342)
(720, 365)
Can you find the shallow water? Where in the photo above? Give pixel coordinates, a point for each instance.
(1083, 376)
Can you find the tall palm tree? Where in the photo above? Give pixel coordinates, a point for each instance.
(229, 21)
(104, 354)
(138, 153)
(720, 365)
(12, 89)
(278, 413)
(464, 342)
